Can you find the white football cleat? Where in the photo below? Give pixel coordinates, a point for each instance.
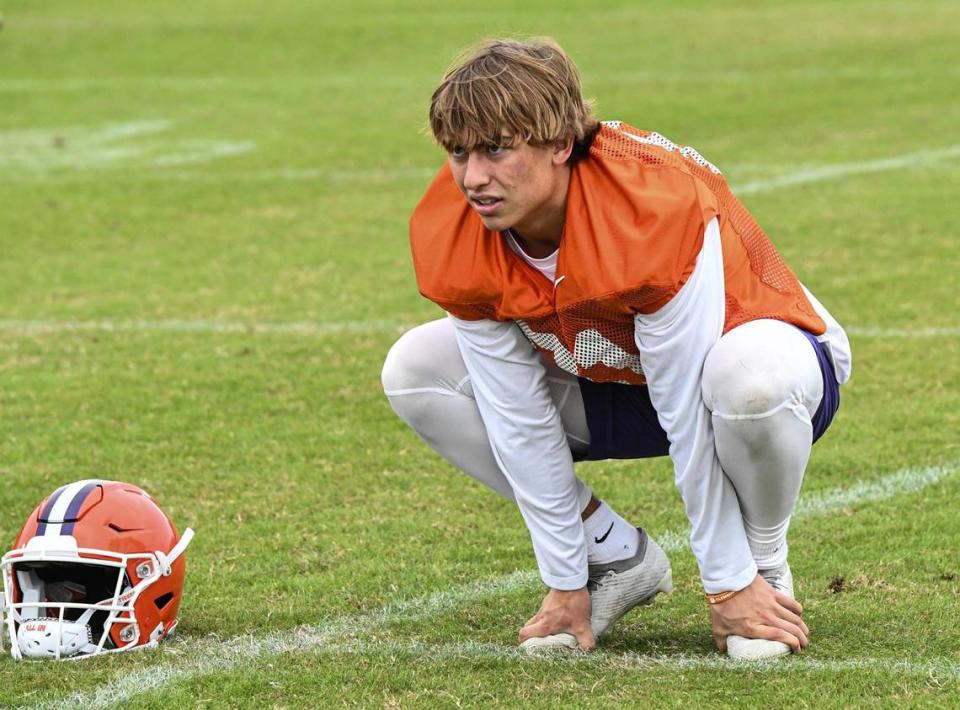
(744, 649)
(616, 587)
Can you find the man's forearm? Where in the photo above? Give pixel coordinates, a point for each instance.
(529, 445)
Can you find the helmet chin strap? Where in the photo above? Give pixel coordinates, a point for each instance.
(166, 560)
(85, 617)
(49, 637)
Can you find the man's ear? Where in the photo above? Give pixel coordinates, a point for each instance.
(562, 150)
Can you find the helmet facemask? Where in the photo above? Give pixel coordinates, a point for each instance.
(97, 568)
(70, 602)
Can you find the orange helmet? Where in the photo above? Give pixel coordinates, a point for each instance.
(98, 567)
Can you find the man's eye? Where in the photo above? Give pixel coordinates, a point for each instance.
(458, 152)
(493, 149)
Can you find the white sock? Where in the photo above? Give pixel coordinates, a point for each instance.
(768, 545)
(609, 537)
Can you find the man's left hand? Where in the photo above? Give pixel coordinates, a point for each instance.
(760, 612)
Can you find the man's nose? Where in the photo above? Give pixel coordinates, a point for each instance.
(476, 174)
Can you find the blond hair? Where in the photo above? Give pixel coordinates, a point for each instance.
(529, 91)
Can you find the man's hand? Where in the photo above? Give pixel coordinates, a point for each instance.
(759, 612)
(561, 612)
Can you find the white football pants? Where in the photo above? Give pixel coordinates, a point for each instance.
(761, 382)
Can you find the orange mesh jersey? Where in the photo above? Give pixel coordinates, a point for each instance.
(637, 209)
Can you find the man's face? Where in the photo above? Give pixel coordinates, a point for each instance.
(519, 187)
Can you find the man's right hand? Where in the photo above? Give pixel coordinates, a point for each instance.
(562, 612)
(760, 612)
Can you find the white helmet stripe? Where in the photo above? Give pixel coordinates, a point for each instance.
(64, 501)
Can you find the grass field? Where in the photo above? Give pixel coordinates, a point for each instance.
(203, 261)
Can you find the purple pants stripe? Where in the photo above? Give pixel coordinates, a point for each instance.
(830, 402)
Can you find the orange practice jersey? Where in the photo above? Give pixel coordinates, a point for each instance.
(637, 208)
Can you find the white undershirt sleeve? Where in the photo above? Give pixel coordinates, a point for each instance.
(834, 340)
(673, 343)
(529, 444)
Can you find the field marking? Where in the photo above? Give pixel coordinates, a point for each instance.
(146, 680)
(349, 81)
(372, 175)
(871, 332)
(324, 328)
(805, 175)
(35, 165)
(212, 654)
(821, 173)
(36, 152)
(333, 175)
(31, 139)
(304, 328)
(940, 668)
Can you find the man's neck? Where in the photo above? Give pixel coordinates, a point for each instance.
(536, 248)
(539, 236)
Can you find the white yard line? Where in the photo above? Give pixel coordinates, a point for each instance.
(867, 491)
(192, 658)
(324, 328)
(36, 154)
(32, 139)
(909, 333)
(809, 174)
(220, 658)
(935, 668)
(210, 654)
(241, 84)
(303, 328)
(831, 172)
(332, 174)
(349, 81)
(35, 164)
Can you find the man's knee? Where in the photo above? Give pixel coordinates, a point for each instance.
(759, 367)
(425, 357)
(737, 389)
(404, 367)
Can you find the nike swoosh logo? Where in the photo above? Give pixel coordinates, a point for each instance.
(598, 540)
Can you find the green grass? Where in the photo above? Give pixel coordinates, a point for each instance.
(313, 504)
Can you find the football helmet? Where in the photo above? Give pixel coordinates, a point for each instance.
(98, 567)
